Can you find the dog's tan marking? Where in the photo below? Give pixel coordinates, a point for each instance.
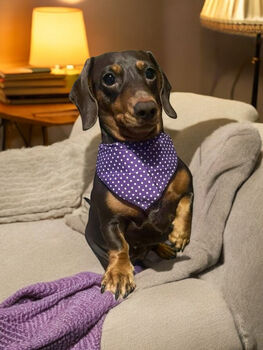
(139, 96)
(140, 65)
(117, 106)
(178, 186)
(119, 207)
(180, 236)
(116, 68)
(119, 274)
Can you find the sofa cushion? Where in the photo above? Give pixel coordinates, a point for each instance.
(188, 315)
(41, 251)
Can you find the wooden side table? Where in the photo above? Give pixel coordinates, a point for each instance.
(44, 115)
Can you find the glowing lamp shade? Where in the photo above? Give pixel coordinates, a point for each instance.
(235, 16)
(58, 37)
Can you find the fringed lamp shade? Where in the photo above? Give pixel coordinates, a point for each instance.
(234, 16)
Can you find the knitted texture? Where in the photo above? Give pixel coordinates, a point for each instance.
(138, 172)
(63, 314)
(45, 181)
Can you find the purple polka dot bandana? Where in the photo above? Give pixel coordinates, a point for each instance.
(137, 172)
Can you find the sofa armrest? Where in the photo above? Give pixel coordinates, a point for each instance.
(259, 127)
(239, 273)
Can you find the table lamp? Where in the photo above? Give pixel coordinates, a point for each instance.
(244, 17)
(58, 38)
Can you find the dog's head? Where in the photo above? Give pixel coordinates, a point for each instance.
(127, 90)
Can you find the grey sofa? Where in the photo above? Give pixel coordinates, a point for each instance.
(192, 314)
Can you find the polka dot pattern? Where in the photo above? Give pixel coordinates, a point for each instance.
(137, 172)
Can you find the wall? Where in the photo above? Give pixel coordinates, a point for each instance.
(182, 44)
(224, 56)
(111, 25)
(204, 61)
(15, 18)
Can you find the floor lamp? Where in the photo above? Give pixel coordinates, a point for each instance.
(244, 17)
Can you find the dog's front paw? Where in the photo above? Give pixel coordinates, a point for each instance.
(180, 239)
(166, 251)
(119, 280)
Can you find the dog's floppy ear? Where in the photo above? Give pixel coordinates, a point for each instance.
(165, 90)
(83, 98)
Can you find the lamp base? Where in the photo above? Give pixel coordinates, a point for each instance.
(67, 70)
(256, 62)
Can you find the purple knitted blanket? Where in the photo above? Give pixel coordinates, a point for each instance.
(63, 314)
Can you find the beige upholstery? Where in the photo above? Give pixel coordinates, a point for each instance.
(156, 318)
(41, 251)
(190, 314)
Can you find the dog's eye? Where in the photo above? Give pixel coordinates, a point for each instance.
(150, 73)
(109, 79)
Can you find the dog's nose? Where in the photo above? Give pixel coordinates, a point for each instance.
(145, 110)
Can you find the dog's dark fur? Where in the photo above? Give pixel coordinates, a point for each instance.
(127, 91)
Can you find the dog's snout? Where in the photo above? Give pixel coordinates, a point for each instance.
(145, 110)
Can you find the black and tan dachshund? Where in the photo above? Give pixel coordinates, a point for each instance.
(127, 91)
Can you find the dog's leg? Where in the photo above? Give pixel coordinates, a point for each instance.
(180, 236)
(119, 277)
(181, 229)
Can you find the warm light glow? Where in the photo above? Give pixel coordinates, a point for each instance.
(58, 37)
(71, 2)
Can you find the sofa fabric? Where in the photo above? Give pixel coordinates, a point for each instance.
(60, 173)
(48, 180)
(52, 251)
(48, 249)
(195, 108)
(198, 117)
(40, 251)
(239, 274)
(187, 314)
(221, 164)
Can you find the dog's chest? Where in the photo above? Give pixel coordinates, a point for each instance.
(149, 230)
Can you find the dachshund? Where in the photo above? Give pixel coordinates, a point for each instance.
(126, 91)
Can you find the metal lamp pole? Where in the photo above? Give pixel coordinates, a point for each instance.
(256, 62)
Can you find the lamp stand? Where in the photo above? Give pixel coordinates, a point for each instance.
(256, 62)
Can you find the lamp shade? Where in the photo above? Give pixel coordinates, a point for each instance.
(235, 16)
(58, 37)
